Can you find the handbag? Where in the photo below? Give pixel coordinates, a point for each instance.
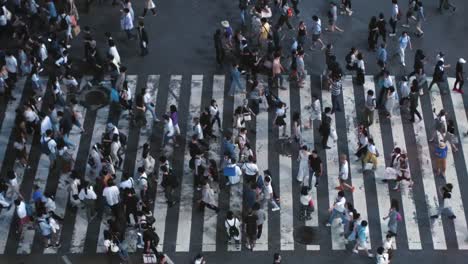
(247, 117)
(149, 259)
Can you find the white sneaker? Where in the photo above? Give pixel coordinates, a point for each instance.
(355, 251)
(370, 255)
(275, 209)
(247, 246)
(328, 224)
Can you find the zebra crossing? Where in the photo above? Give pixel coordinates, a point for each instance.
(182, 228)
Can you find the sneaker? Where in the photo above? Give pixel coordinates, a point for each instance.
(327, 224)
(355, 251)
(434, 216)
(421, 92)
(452, 217)
(405, 25)
(392, 34)
(275, 209)
(370, 255)
(248, 246)
(57, 245)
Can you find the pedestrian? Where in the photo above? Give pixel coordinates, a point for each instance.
(391, 99)
(360, 69)
(369, 108)
(250, 222)
(382, 25)
(414, 101)
(88, 197)
(441, 152)
(276, 258)
(277, 70)
(446, 4)
(445, 207)
(169, 183)
(450, 135)
(232, 225)
(208, 199)
(316, 32)
(175, 121)
(270, 196)
(49, 147)
(236, 85)
(306, 203)
(150, 240)
(403, 42)
(301, 33)
(338, 210)
(420, 18)
(315, 170)
(344, 174)
(214, 113)
(233, 172)
(332, 18)
(315, 112)
(403, 172)
(243, 7)
(280, 115)
(439, 72)
(373, 33)
(460, 76)
(440, 126)
(261, 217)
(149, 5)
(393, 217)
(346, 6)
(394, 17)
(371, 155)
(24, 218)
(362, 237)
(336, 88)
(385, 82)
(285, 13)
(382, 257)
(127, 23)
(142, 38)
(412, 8)
(218, 47)
(169, 131)
(325, 127)
(111, 194)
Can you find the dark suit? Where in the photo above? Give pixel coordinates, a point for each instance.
(143, 37)
(325, 128)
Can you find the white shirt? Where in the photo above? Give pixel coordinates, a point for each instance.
(30, 115)
(250, 168)
(147, 98)
(169, 128)
(21, 210)
(344, 170)
(340, 204)
(197, 130)
(11, 64)
(43, 52)
(52, 145)
(213, 110)
(113, 51)
(112, 195)
(46, 124)
(90, 195)
(127, 184)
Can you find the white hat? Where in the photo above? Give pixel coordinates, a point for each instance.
(461, 60)
(225, 23)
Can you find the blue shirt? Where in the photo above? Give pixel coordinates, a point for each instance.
(228, 148)
(441, 152)
(46, 229)
(382, 54)
(37, 196)
(52, 10)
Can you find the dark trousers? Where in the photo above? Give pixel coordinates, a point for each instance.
(143, 48)
(459, 82)
(216, 119)
(283, 19)
(168, 194)
(295, 3)
(393, 24)
(133, 212)
(382, 34)
(212, 207)
(382, 93)
(219, 56)
(145, 10)
(325, 136)
(259, 231)
(414, 110)
(335, 103)
(115, 210)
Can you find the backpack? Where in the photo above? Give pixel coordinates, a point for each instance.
(45, 146)
(399, 218)
(290, 12)
(233, 231)
(63, 22)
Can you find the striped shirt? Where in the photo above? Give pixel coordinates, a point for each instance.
(336, 88)
(370, 103)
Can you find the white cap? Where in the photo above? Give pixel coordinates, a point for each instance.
(461, 60)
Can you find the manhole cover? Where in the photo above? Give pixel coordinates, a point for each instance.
(306, 235)
(96, 98)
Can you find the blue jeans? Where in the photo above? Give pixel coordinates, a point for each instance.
(278, 80)
(67, 140)
(335, 103)
(242, 16)
(150, 108)
(335, 213)
(236, 82)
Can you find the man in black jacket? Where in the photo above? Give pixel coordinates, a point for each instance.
(325, 127)
(143, 37)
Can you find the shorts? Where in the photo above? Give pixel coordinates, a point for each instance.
(315, 37)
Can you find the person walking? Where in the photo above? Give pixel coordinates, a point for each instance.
(393, 217)
(382, 56)
(445, 207)
(232, 225)
(460, 76)
(362, 237)
(149, 5)
(439, 72)
(127, 23)
(420, 18)
(316, 32)
(315, 170)
(261, 217)
(403, 42)
(391, 100)
(250, 222)
(208, 197)
(236, 85)
(344, 174)
(441, 151)
(142, 38)
(218, 44)
(394, 17)
(303, 157)
(446, 4)
(332, 18)
(336, 87)
(373, 33)
(382, 25)
(88, 197)
(414, 101)
(369, 108)
(325, 127)
(270, 197)
(338, 210)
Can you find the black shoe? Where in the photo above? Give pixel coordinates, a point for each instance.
(452, 217)
(411, 120)
(316, 185)
(434, 216)
(326, 147)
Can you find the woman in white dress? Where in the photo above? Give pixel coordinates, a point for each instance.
(303, 159)
(390, 102)
(149, 5)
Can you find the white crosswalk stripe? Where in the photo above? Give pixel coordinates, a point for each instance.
(278, 229)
